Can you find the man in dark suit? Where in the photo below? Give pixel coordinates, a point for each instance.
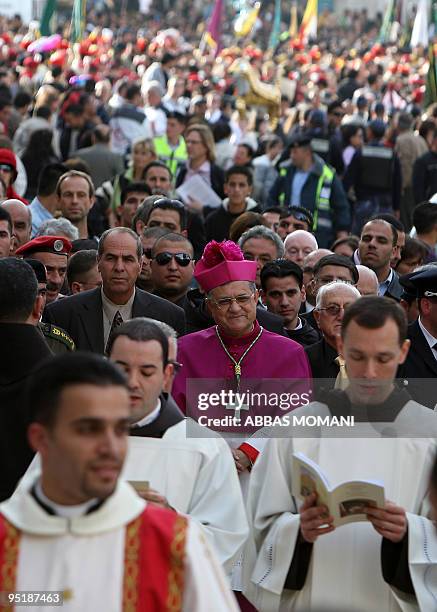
(378, 245)
(91, 316)
(420, 366)
(332, 300)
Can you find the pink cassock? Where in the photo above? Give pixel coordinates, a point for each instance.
(274, 365)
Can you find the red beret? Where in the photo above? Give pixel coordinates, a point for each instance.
(8, 157)
(59, 245)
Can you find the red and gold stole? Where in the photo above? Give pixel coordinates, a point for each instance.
(154, 561)
(9, 544)
(154, 556)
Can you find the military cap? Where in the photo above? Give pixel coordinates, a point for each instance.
(300, 139)
(425, 282)
(59, 245)
(39, 269)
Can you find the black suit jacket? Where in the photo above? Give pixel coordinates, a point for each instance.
(81, 316)
(420, 368)
(23, 348)
(322, 357)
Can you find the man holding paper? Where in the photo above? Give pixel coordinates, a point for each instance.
(302, 561)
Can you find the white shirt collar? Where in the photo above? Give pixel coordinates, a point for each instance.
(384, 285)
(429, 338)
(109, 308)
(299, 324)
(149, 418)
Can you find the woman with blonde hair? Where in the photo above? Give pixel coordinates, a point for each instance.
(143, 152)
(201, 158)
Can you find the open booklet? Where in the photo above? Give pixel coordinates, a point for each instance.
(346, 503)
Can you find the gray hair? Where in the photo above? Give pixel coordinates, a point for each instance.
(259, 231)
(331, 288)
(58, 227)
(120, 230)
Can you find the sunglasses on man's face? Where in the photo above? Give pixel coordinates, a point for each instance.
(182, 259)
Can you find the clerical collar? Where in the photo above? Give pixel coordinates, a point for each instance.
(339, 404)
(149, 418)
(68, 512)
(242, 340)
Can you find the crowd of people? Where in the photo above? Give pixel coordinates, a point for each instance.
(171, 247)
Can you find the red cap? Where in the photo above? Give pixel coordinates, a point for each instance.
(221, 263)
(59, 245)
(8, 157)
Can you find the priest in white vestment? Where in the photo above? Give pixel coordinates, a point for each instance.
(79, 532)
(301, 562)
(196, 474)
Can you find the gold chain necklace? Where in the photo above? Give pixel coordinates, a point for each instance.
(237, 364)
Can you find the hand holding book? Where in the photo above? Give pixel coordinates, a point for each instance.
(314, 519)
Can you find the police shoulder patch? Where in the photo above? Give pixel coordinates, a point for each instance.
(56, 333)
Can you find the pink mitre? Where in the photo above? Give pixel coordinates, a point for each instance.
(221, 263)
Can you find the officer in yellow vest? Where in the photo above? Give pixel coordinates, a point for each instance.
(171, 148)
(306, 180)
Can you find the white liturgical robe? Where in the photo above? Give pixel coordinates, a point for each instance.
(198, 477)
(344, 573)
(85, 556)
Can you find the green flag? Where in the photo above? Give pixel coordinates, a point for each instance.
(78, 20)
(276, 26)
(431, 79)
(389, 16)
(48, 12)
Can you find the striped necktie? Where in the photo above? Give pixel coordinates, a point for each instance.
(116, 322)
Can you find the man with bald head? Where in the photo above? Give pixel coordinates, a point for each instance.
(332, 301)
(367, 281)
(21, 222)
(172, 267)
(298, 245)
(308, 274)
(91, 316)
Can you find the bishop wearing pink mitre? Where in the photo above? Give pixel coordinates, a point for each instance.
(237, 354)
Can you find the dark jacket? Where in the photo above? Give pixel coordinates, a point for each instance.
(425, 177)
(23, 348)
(340, 216)
(217, 179)
(358, 179)
(322, 357)
(306, 335)
(218, 222)
(198, 316)
(310, 319)
(395, 289)
(420, 368)
(81, 316)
